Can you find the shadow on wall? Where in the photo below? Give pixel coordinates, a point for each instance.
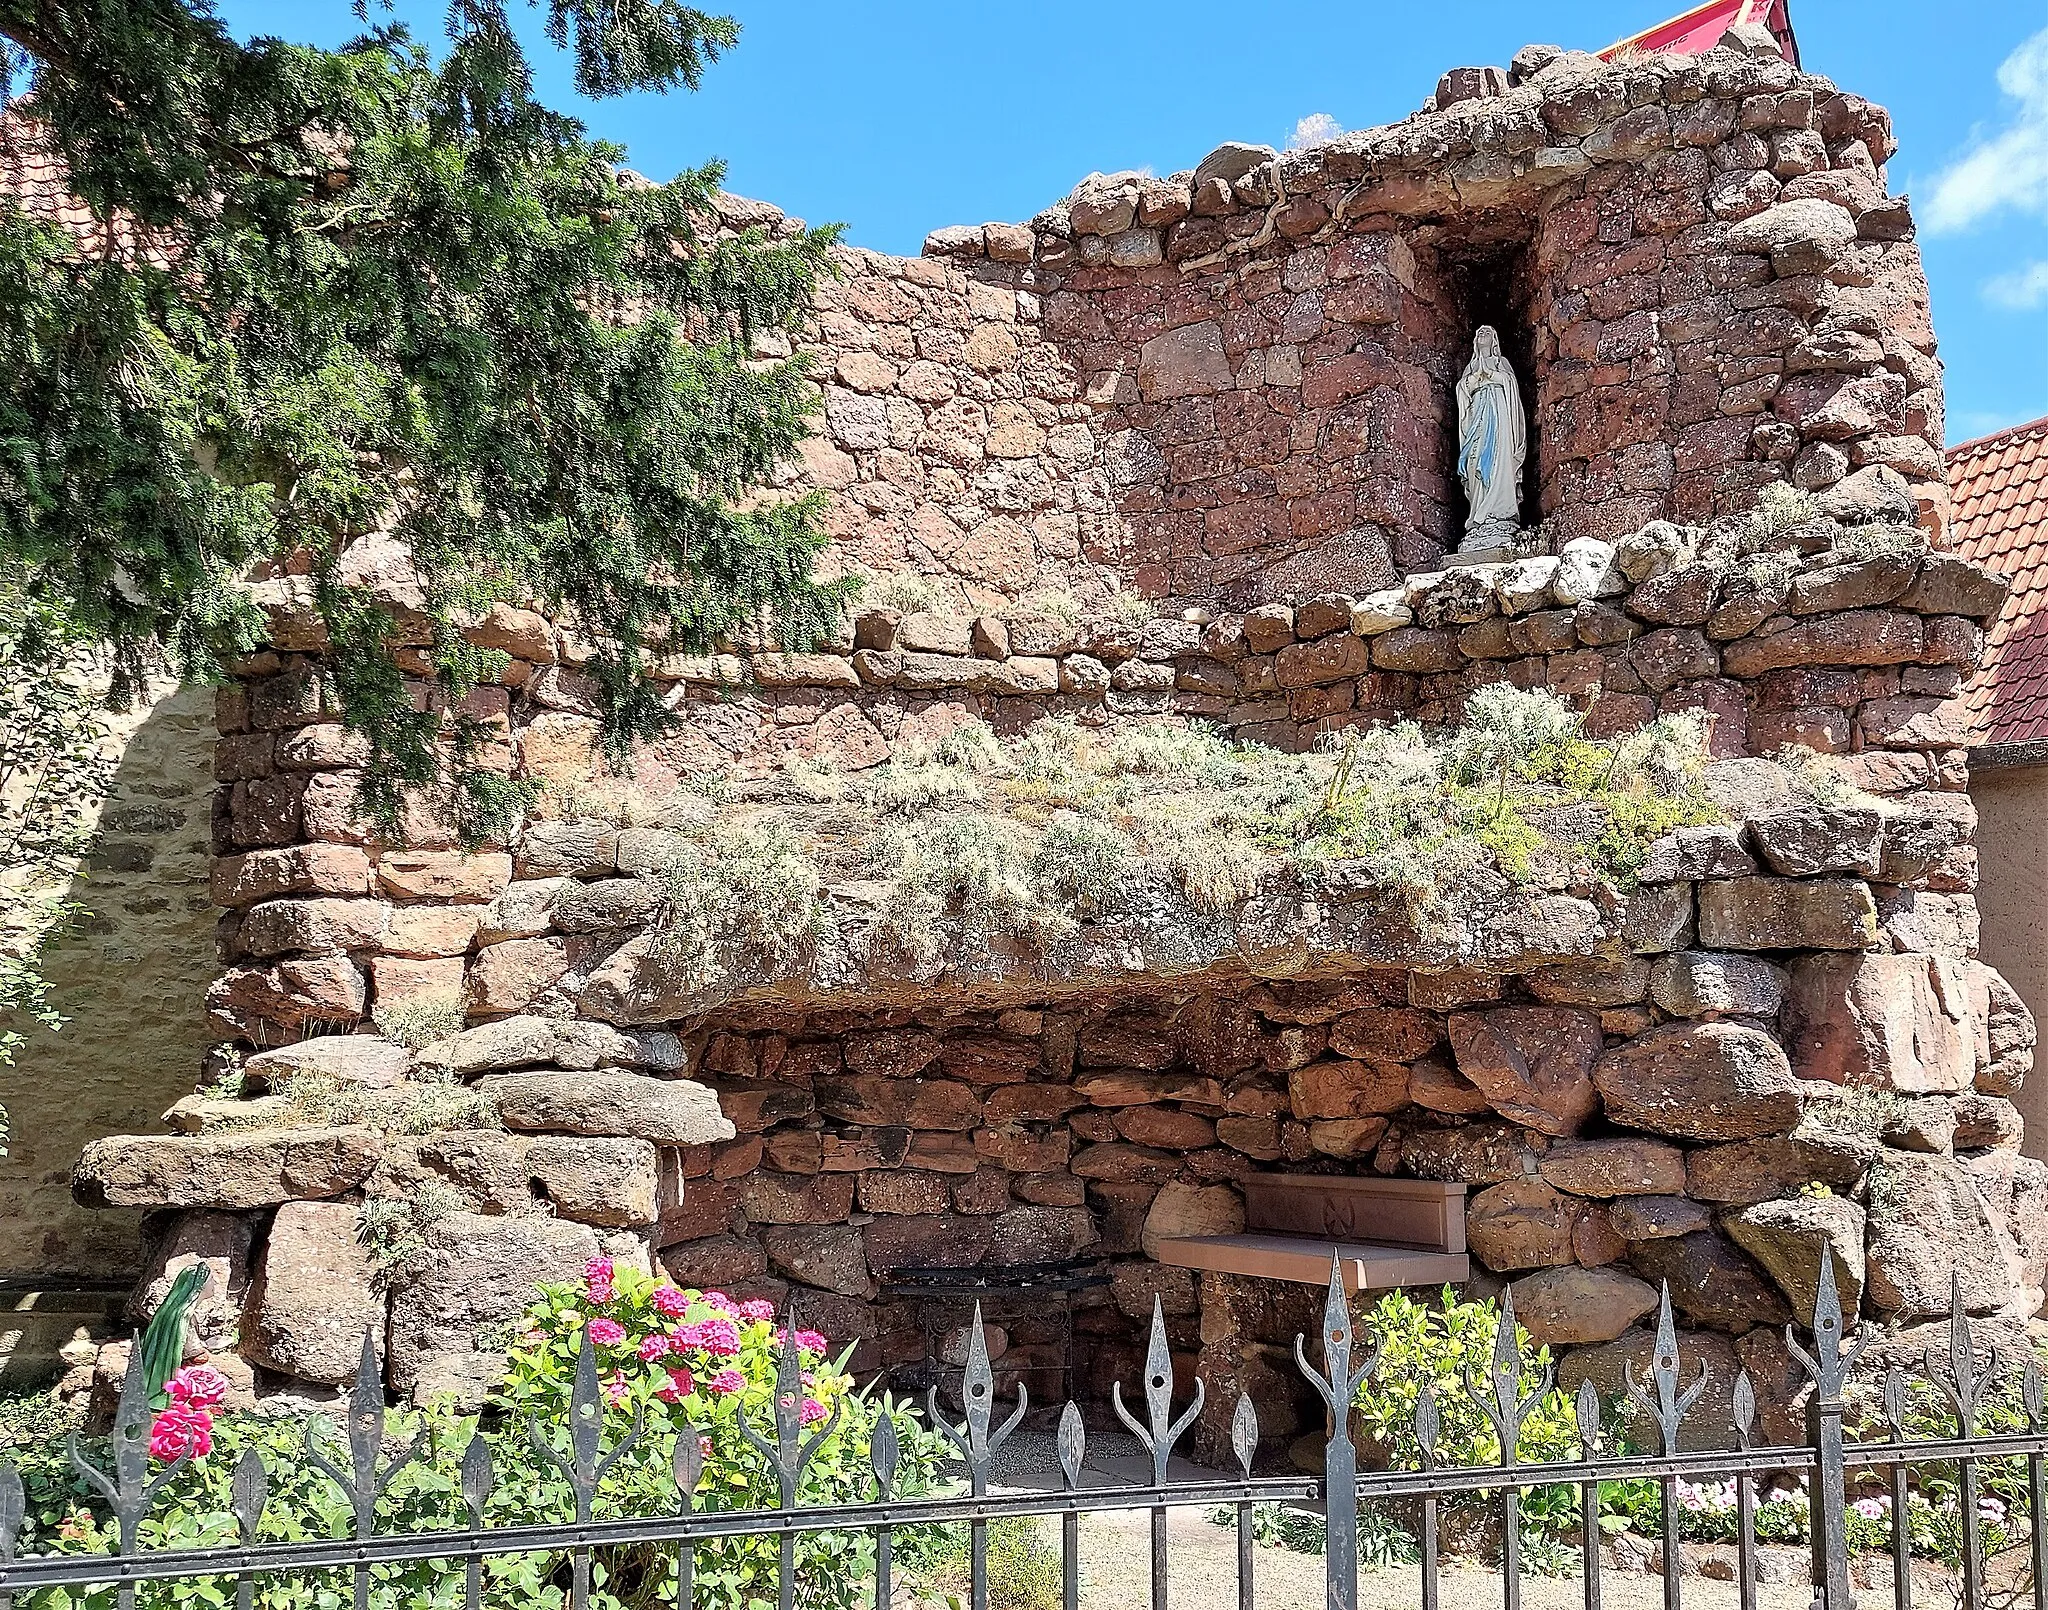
(132, 980)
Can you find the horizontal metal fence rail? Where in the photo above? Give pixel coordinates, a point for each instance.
(1663, 1397)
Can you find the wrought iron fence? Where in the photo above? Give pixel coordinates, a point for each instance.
(1832, 1463)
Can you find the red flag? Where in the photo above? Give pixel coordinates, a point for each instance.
(1701, 28)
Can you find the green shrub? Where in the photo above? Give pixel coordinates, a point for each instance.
(1023, 1565)
(1382, 1539)
(194, 1509)
(1434, 1345)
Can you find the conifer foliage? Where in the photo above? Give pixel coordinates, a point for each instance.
(336, 297)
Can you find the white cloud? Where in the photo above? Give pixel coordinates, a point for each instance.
(2022, 289)
(1318, 128)
(2006, 169)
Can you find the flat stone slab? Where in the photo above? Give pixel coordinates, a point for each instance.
(362, 1059)
(237, 1169)
(669, 1112)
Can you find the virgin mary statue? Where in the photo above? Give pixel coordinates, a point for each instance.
(1492, 434)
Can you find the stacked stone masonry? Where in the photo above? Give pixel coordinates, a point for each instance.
(1228, 393)
(1233, 385)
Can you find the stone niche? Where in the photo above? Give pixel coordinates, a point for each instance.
(1695, 265)
(1227, 391)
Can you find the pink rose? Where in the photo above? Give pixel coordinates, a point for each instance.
(607, 1332)
(757, 1309)
(670, 1302)
(199, 1385)
(721, 1302)
(727, 1381)
(813, 1411)
(180, 1431)
(719, 1336)
(653, 1347)
(810, 1341)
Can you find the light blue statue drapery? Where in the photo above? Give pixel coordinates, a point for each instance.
(1492, 434)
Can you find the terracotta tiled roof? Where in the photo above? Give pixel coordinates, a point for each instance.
(32, 177)
(2000, 489)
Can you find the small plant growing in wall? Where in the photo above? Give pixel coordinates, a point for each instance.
(395, 1230)
(419, 1021)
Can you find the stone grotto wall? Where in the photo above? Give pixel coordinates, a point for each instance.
(1232, 386)
(1227, 393)
(1630, 1083)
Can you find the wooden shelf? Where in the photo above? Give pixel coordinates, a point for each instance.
(1304, 1259)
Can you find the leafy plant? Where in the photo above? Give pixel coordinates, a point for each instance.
(1434, 1346)
(194, 1507)
(1382, 1539)
(693, 1363)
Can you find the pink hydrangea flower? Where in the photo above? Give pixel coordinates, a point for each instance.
(653, 1347)
(181, 1432)
(616, 1391)
(757, 1308)
(810, 1341)
(607, 1332)
(704, 1446)
(669, 1302)
(721, 1302)
(720, 1336)
(680, 1378)
(727, 1381)
(597, 1280)
(200, 1386)
(668, 1392)
(814, 1411)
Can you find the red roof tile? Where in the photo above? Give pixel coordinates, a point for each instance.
(1999, 485)
(33, 178)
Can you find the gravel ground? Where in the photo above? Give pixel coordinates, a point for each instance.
(1116, 1553)
(1116, 1575)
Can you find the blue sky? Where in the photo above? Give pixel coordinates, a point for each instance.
(898, 117)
